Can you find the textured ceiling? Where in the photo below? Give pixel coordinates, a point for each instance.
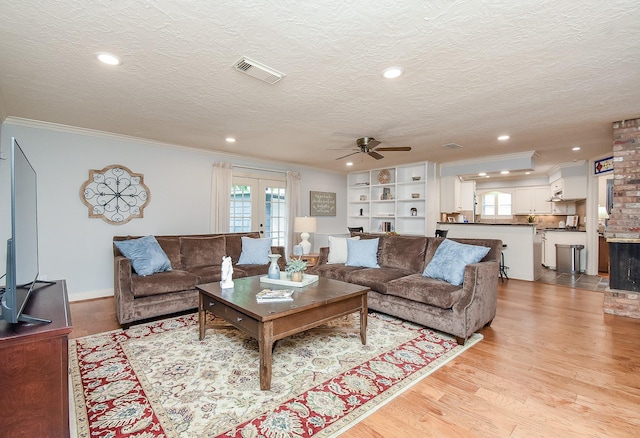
(552, 74)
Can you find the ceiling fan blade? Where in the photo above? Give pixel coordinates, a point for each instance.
(348, 155)
(373, 143)
(399, 148)
(375, 155)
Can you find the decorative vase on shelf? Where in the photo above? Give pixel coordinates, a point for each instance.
(274, 269)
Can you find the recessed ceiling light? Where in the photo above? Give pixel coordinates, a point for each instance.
(392, 72)
(504, 172)
(108, 58)
(527, 173)
(349, 163)
(503, 137)
(482, 174)
(576, 148)
(230, 140)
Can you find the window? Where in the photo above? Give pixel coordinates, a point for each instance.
(496, 205)
(258, 204)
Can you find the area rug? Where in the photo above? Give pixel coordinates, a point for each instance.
(159, 380)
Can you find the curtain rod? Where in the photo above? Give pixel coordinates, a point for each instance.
(258, 168)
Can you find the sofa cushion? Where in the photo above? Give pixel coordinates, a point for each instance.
(207, 274)
(202, 251)
(255, 251)
(425, 290)
(450, 259)
(338, 249)
(376, 279)
(363, 253)
(146, 255)
(162, 283)
(403, 252)
(335, 271)
(171, 247)
(250, 270)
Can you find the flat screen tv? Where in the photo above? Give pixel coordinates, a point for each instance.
(22, 246)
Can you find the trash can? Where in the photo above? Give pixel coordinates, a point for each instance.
(568, 258)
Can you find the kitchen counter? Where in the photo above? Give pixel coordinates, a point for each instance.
(523, 252)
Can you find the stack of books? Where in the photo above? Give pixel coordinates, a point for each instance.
(274, 295)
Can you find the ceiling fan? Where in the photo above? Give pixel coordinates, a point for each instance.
(368, 145)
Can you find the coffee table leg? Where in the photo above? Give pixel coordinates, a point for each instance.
(363, 320)
(201, 316)
(265, 344)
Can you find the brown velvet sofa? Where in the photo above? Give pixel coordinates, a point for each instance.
(195, 259)
(398, 287)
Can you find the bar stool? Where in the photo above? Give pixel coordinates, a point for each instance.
(503, 268)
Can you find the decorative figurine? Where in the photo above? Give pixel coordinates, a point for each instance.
(226, 281)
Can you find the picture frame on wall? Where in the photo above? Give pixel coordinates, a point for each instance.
(322, 203)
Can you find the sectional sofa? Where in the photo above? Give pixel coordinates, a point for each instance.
(194, 259)
(399, 288)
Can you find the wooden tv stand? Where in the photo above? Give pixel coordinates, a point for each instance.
(34, 370)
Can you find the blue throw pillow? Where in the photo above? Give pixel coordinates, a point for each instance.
(450, 259)
(362, 253)
(146, 255)
(254, 251)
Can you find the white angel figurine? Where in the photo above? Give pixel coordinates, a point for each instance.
(226, 281)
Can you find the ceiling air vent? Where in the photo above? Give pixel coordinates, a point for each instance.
(257, 70)
(452, 146)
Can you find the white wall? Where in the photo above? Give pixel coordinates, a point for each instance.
(79, 249)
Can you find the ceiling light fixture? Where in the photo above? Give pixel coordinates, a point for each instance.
(504, 172)
(230, 140)
(392, 72)
(349, 163)
(482, 174)
(108, 58)
(576, 148)
(503, 137)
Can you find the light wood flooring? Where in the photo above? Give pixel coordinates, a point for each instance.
(551, 365)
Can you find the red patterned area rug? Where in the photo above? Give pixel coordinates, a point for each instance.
(158, 380)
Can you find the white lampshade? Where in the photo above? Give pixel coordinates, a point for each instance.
(602, 213)
(304, 226)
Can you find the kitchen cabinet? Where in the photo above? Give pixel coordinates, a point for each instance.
(570, 187)
(603, 254)
(562, 208)
(399, 198)
(456, 195)
(532, 200)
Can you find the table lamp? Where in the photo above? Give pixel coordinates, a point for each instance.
(304, 226)
(602, 216)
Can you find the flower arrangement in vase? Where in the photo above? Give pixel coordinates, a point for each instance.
(295, 267)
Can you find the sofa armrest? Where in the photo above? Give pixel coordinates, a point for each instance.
(122, 273)
(480, 287)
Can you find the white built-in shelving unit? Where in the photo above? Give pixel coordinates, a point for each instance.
(404, 202)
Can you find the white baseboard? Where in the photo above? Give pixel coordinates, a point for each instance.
(90, 295)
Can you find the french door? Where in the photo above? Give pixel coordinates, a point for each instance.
(258, 204)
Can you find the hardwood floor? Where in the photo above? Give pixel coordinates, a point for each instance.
(551, 365)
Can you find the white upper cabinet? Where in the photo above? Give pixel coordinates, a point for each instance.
(532, 200)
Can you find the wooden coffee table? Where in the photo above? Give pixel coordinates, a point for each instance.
(313, 305)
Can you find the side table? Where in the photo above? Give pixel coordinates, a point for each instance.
(311, 259)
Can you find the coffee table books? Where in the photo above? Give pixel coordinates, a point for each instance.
(274, 295)
(307, 279)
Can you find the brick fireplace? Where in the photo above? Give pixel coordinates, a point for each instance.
(623, 228)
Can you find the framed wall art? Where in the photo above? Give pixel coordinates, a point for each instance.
(322, 203)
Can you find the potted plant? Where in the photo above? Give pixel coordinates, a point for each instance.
(531, 219)
(295, 267)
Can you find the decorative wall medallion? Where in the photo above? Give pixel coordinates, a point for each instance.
(384, 177)
(115, 194)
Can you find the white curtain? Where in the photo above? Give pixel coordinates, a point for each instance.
(220, 197)
(292, 204)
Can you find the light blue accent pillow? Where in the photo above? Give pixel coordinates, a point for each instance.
(362, 253)
(146, 255)
(254, 251)
(450, 259)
